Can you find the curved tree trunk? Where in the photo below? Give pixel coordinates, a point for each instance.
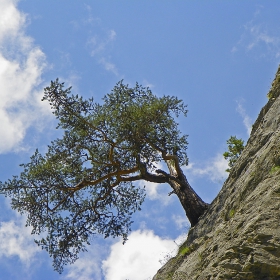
(193, 205)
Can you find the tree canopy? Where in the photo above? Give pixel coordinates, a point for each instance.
(85, 183)
(235, 148)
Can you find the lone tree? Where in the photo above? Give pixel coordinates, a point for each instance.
(84, 184)
(235, 148)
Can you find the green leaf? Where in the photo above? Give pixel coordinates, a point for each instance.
(235, 148)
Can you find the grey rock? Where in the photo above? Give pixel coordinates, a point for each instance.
(238, 237)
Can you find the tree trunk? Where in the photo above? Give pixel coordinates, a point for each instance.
(193, 205)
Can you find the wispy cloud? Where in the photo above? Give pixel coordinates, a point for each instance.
(247, 121)
(259, 37)
(181, 222)
(21, 66)
(99, 42)
(143, 249)
(147, 84)
(213, 168)
(97, 45)
(108, 66)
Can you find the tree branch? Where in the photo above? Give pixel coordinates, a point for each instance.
(167, 157)
(159, 171)
(85, 183)
(149, 176)
(176, 163)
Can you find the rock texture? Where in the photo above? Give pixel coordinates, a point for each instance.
(239, 235)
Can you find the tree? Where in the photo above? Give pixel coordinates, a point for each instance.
(84, 184)
(235, 148)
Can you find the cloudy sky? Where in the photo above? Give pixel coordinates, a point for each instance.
(220, 57)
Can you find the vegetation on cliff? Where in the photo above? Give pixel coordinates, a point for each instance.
(238, 237)
(235, 148)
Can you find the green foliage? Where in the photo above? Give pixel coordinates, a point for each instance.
(274, 169)
(235, 148)
(83, 185)
(231, 213)
(274, 90)
(184, 250)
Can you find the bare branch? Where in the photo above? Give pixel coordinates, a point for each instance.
(175, 159)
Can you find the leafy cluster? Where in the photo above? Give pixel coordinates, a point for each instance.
(83, 185)
(235, 148)
(275, 86)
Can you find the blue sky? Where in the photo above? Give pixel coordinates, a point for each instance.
(220, 57)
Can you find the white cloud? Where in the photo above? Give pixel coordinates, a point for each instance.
(11, 19)
(88, 266)
(16, 240)
(21, 67)
(246, 119)
(214, 169)
(139, 258)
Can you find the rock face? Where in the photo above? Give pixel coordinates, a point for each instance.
(239, 235)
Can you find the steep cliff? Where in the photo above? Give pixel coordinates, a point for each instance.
(239, 235)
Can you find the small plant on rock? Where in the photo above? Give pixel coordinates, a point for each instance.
(184, 250)
(235, 148)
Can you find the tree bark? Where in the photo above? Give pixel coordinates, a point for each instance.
(193, 205)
